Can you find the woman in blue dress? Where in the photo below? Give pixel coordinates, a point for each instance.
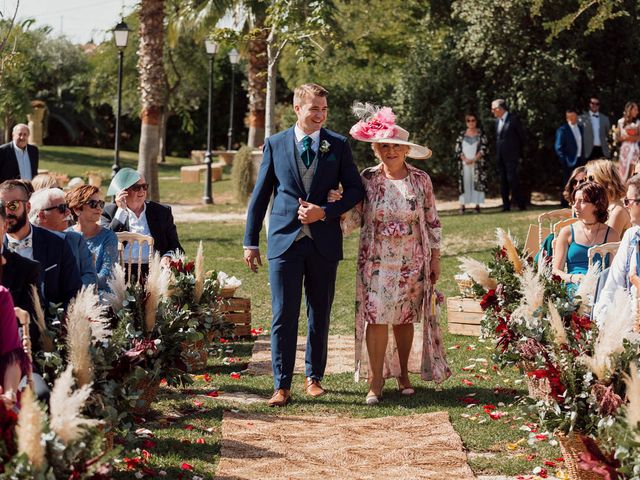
(570, 256)
(86, 205)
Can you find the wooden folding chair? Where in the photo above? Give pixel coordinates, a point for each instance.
(550, 217)
(24, 319)
(605, 249)
(131, 239)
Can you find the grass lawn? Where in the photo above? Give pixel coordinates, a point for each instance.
(181, 423)
(78, 161)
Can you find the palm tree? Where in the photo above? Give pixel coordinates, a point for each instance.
(153, 90)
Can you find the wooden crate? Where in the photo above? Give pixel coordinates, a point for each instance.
(464, 316)
(237, 310)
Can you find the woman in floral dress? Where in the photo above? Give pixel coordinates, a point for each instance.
(398, 261)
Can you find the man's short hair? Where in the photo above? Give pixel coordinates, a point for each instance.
(634, 182)
(20, 125)
(42, 199)
(10, 185)
(308, 90)
(499, 103)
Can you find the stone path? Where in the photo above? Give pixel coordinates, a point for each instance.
(339, 356)
(331, 447)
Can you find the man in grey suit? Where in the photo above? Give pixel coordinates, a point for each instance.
(596, 127)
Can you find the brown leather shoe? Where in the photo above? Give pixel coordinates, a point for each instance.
(313, 387)
(280, 398)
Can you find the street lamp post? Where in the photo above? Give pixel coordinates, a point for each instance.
(211, 47)
(121, 37)
(234, 57)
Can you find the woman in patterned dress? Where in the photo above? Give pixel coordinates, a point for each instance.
(398, 261)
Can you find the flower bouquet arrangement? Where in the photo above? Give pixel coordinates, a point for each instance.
(197, 296)
(60, 444)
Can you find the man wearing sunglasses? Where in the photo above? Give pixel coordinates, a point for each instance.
(59, 273)
(18, 159)
(596, 131)
(49, 210)
(132, 212)
(624, 269)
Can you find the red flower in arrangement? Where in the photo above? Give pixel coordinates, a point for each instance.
(489, 299)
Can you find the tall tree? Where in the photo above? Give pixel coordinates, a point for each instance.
(153, 90)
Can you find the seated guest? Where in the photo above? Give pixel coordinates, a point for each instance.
(14, 362)
(86, 206)
(546, 249)
(590, 204)
(132, 212)
(44, 180)
(606, 174)
(18, 159)
(624, 267)
(59, 273)
(49, 210)
(19, 274)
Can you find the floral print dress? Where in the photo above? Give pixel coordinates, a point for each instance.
(399, 227)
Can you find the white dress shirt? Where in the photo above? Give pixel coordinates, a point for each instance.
(24, 163)
(24, 252)
(595, 126)
(315, 139)
(136, 225)
(619, 274)
(578, 137)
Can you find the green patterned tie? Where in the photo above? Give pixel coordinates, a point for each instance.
(307, 152)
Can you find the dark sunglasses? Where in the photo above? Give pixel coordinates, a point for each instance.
(12, 205)
(61, 208)
(139, 186)
(95, 204)
(627, 202)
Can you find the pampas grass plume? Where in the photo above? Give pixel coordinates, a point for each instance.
(478, 272)
(117, 284)
(557, 325)
(29, 430)
(65, 408)
(199, 272)
(617, 326)
(505, 240)
(156, 287)
(79, 336)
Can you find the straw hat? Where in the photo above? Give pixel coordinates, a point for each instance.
(123, 179)
(377, 125)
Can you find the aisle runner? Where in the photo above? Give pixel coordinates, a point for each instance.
(270, 447)
(339, 356)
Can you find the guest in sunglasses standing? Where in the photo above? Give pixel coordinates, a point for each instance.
(49, 210)
(86, 206)
(132, 212)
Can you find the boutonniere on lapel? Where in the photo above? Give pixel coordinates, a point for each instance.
(325, 146)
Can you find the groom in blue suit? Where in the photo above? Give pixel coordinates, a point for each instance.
(568, 147)
(304, 242)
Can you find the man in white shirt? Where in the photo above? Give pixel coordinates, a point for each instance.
(596, 131)
(18, 159)
(568, 147)
(624, 268)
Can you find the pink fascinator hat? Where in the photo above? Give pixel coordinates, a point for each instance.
(378, 125)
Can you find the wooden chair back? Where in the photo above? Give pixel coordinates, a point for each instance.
(605, 249)
(131, 239)
(550, 217)
(24, 319)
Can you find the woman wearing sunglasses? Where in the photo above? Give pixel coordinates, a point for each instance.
(86, 206)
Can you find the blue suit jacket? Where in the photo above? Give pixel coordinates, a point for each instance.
(279, 176)
(566, 146)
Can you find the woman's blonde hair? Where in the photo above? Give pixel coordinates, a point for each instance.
(606, 174)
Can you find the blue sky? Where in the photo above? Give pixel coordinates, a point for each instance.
(79, 20)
